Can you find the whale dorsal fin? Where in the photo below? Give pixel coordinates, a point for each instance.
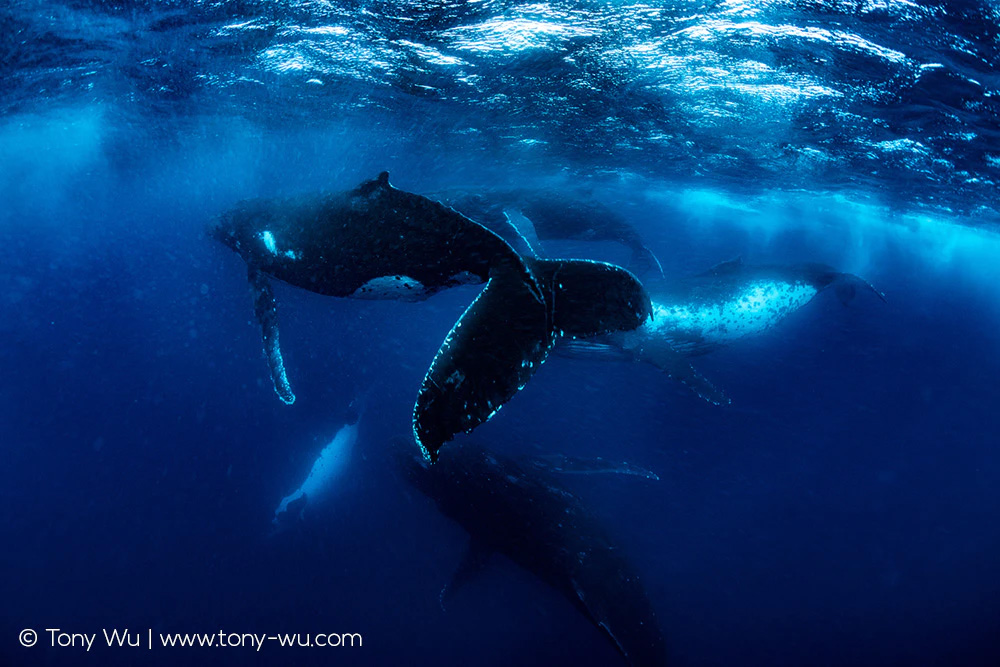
(729, 266)
(380, 182)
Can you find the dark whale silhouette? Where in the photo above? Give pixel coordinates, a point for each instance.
(525, 515)
(701, 313)
(531, 216)
(377, 241)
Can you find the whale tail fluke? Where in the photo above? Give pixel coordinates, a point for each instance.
(486, 358)
(509, 330)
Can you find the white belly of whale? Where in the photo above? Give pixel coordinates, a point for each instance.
(329, 466)
(397, 288)
(758, 308)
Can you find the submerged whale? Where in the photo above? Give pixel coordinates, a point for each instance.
(329, 467)
(530, 216)
(525, 515)
(730, 301)
(377, 241)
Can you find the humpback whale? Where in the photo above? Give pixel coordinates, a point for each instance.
(699, 314)
(329, 466)
(525, 515)
(530, 216)
(376, 241)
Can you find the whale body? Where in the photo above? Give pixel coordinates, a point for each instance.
(525, 515)
(377, 241)
(730, 301)
(328, 468)
(534, 215)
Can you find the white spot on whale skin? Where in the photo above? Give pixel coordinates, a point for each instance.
(268, 239)
(272, 246)
(400, 288)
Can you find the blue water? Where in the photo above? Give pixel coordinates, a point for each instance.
(843, 509)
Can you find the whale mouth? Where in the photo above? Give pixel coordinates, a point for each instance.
(220, 231)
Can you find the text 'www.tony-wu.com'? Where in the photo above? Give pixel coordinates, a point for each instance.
(147, 639)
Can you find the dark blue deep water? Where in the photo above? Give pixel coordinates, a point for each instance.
(843, 510)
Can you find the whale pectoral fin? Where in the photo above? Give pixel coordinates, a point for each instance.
(643, 261)
(489, 355)
(676, 365)
(852, 280)
(266, 311)
(525, 230)
(589, 350)
(475, 558)
(625, 616)
(561, 464)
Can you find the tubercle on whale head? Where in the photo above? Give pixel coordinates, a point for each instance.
(222, 229)
(635, 297)
(638, 301)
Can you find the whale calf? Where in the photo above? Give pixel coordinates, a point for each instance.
(376, 241)
(329, 467)
(535, 215)
(730, 301)
(525, 515)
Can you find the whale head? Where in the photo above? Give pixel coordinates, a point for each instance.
(228, 229)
